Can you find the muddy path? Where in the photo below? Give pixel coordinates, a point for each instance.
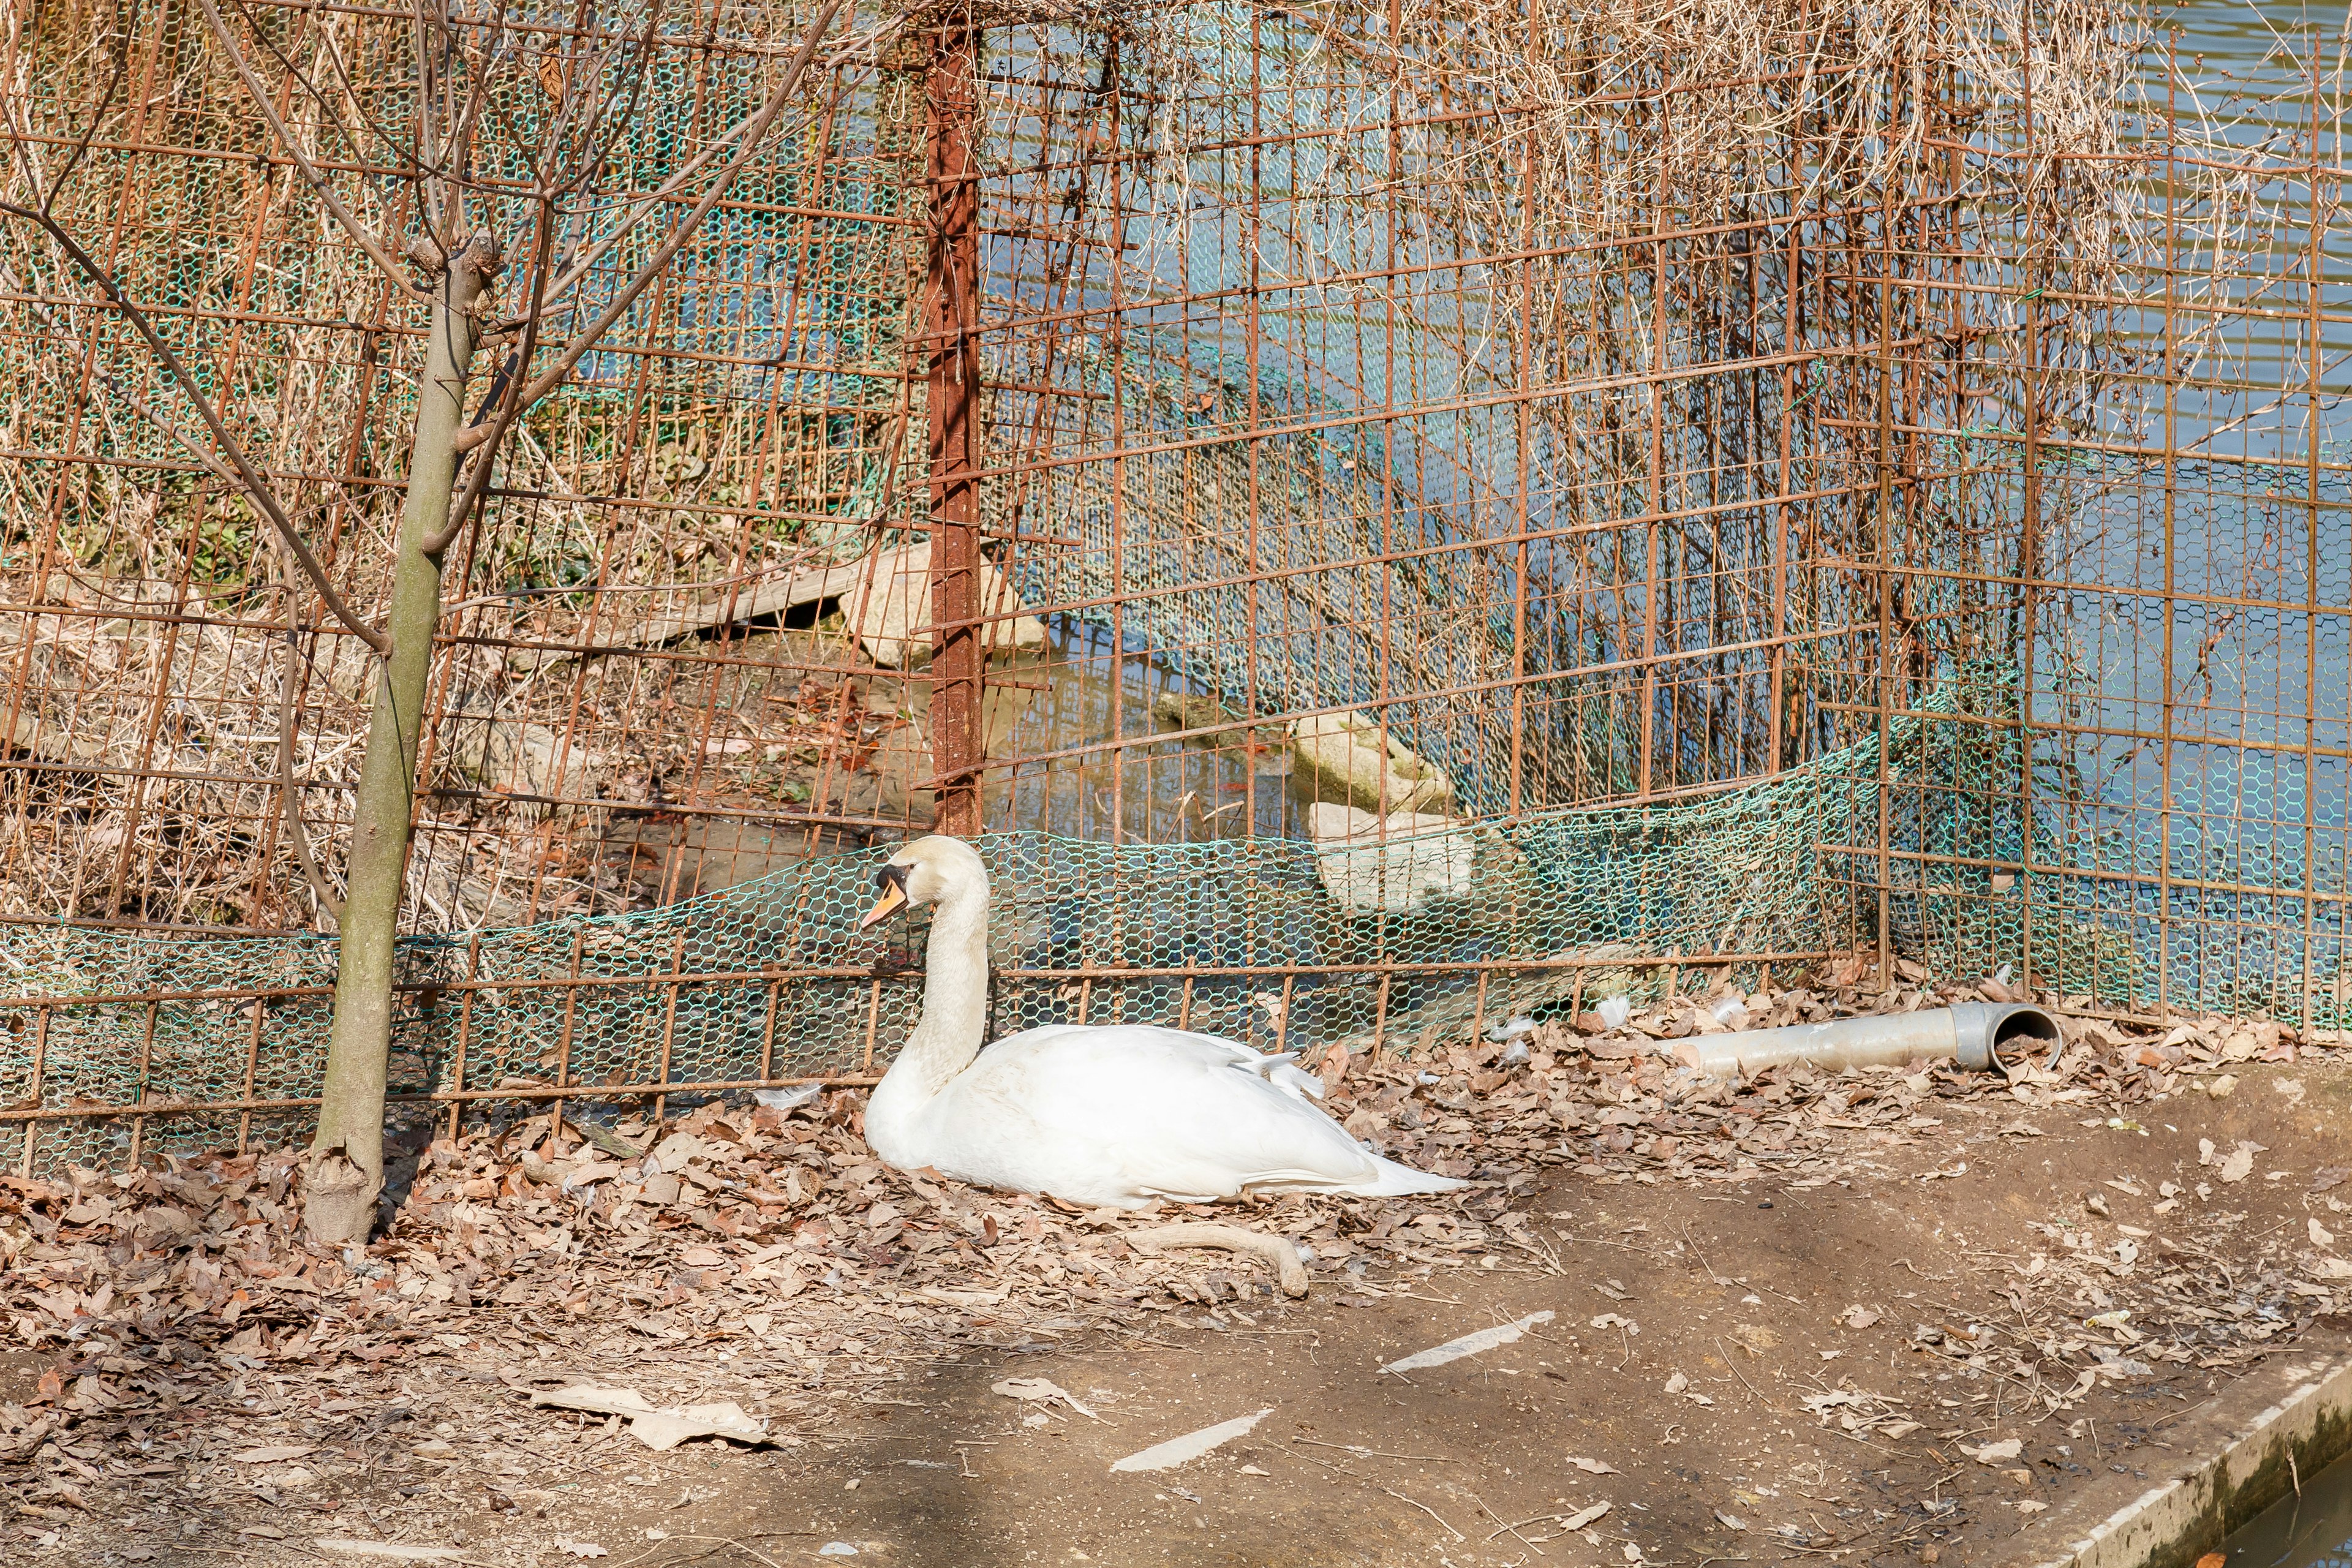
(1768, 1369)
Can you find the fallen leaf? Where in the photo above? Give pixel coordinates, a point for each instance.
(274, 1455)
(1994, 1452)
(2320, 1235)
(2241, 1163)
(581, 1549)
(1594, 1466)
(1857, 1317)
(1041, 1388)
(1753, 1338)
(660, 1427)
(1729, 1521)
(1582, 1517)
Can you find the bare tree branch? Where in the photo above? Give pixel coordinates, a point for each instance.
(475, 436)
(511, 404)
(584, 261)
(204, 457)
(253, 483)
(360, 232)
(289, 793)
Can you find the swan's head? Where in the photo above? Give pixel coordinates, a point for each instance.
(924, 872)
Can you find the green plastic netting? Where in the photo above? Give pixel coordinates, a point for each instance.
(1268, 941)
(1273, 942)
(1215, 926)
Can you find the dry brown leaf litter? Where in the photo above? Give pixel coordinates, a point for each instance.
(767, 1256)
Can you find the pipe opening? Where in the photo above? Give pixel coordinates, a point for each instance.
(2022, 1028)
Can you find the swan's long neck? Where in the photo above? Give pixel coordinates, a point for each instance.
(954, 1017)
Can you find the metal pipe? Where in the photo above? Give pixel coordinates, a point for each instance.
(1973, 1033)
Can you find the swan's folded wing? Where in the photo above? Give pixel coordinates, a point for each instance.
(1164, 1108)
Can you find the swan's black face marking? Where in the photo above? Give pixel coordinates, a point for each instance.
(892, 882)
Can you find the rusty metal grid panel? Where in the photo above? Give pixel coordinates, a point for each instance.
(1805, 479)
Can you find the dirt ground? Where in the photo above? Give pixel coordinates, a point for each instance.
(1823, 1358)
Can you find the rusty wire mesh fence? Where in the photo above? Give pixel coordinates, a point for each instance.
(1468, 507)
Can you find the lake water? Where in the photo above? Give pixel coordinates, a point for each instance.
(2309, 1529)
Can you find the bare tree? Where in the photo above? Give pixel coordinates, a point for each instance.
(507, 125)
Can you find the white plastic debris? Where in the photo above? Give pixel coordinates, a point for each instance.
(387, 1550)
(1468, 1345)
(1613, 1011)
(1191, 1445)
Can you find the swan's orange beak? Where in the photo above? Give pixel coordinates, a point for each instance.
(892, 880)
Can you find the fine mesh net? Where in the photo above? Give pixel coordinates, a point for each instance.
(1278, 943)
(1263, 940)
(1266, 332)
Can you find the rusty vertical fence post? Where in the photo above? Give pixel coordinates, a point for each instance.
(950, 313)
(2170, 587)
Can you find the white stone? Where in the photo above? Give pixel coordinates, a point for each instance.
(889, 608)
(1342, 760)
(1399, 863)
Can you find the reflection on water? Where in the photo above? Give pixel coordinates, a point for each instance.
(2209, 730)
(2265, 78)
(1067, 698)
(2312, 1530)
(2180, 638)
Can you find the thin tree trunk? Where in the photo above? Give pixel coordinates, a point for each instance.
(345, 1174)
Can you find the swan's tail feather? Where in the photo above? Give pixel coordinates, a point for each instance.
(1392, 1180)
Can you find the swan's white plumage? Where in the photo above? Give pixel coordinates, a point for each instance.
(1099, 1114)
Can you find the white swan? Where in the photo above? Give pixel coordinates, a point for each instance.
(1108, 1115)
